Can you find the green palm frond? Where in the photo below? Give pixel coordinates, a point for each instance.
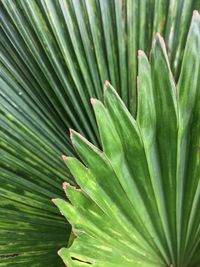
(31, 173)
(55, 55)
(139, 199)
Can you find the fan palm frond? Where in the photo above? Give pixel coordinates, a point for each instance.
(139, 199)
(55, 55)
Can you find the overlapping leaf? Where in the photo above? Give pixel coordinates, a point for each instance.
(139, 199)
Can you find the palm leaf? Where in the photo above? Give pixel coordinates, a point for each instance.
(139, 199)
(54, 56)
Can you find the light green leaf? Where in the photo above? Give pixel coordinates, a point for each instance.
(138, 201)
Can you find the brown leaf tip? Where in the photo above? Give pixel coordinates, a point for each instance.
(64, 157)
(71, 131)
(106, 83)
(195, 13)
(140, 53)
(65, 185)
(92, 100)
(53, 200)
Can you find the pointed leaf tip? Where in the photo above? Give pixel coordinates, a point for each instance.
(92, 100)
(65, 185)
(68, 185)
(158, 41)
(53, 200)
(64, 157)
(71, 131)
(158, 38)
(158, 35)
(106, 85)
(74, 133)
(196, 13)
(140, 53)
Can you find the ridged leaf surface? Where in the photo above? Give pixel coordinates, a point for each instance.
(138, 202)
(55, 55)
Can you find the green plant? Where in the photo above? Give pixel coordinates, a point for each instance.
(139, 200)
(54, 57)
